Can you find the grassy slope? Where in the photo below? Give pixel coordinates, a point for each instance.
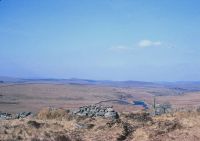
(59, 126)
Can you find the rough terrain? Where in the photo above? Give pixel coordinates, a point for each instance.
(61, 125)
(18, 97)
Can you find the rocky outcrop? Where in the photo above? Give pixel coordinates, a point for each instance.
(53, 113)
(23, 115)
(5, 116)
(8, 116)
(96, 111)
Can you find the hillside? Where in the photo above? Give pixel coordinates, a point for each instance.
(128, 121)
(60, 125)
(29, 95)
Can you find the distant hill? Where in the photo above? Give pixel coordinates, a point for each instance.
(75, 81)
(180, 85)
(10, 79)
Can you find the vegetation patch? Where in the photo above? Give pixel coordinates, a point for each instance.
(34, 124)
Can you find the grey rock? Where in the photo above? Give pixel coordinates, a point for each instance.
(110, 109)
(112, 115)
(96, 111)
(82, 114)
(91, 115)
(75, 111)
(23, 115)
(5, 116)
(17, 116)
(100, 114)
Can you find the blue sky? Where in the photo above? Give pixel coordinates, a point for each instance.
(146, 40)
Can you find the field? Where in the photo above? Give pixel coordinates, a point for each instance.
(18, 96)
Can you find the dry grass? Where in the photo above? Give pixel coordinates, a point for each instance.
(49, 125)
(52, 113)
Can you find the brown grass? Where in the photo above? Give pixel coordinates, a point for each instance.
(49, 125)
(52, 113)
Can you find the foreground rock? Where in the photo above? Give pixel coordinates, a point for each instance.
(96, 111)
(23, 115)
(7, 116)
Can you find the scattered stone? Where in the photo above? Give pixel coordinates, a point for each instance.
(112, 115)
(22, 115)
(110, 110)
(8, 116)
(163, 109)
(5, 116)
(96, 111)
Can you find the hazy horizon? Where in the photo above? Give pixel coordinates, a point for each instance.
(137, 40)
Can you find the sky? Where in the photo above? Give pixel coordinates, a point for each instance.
(143, 40)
